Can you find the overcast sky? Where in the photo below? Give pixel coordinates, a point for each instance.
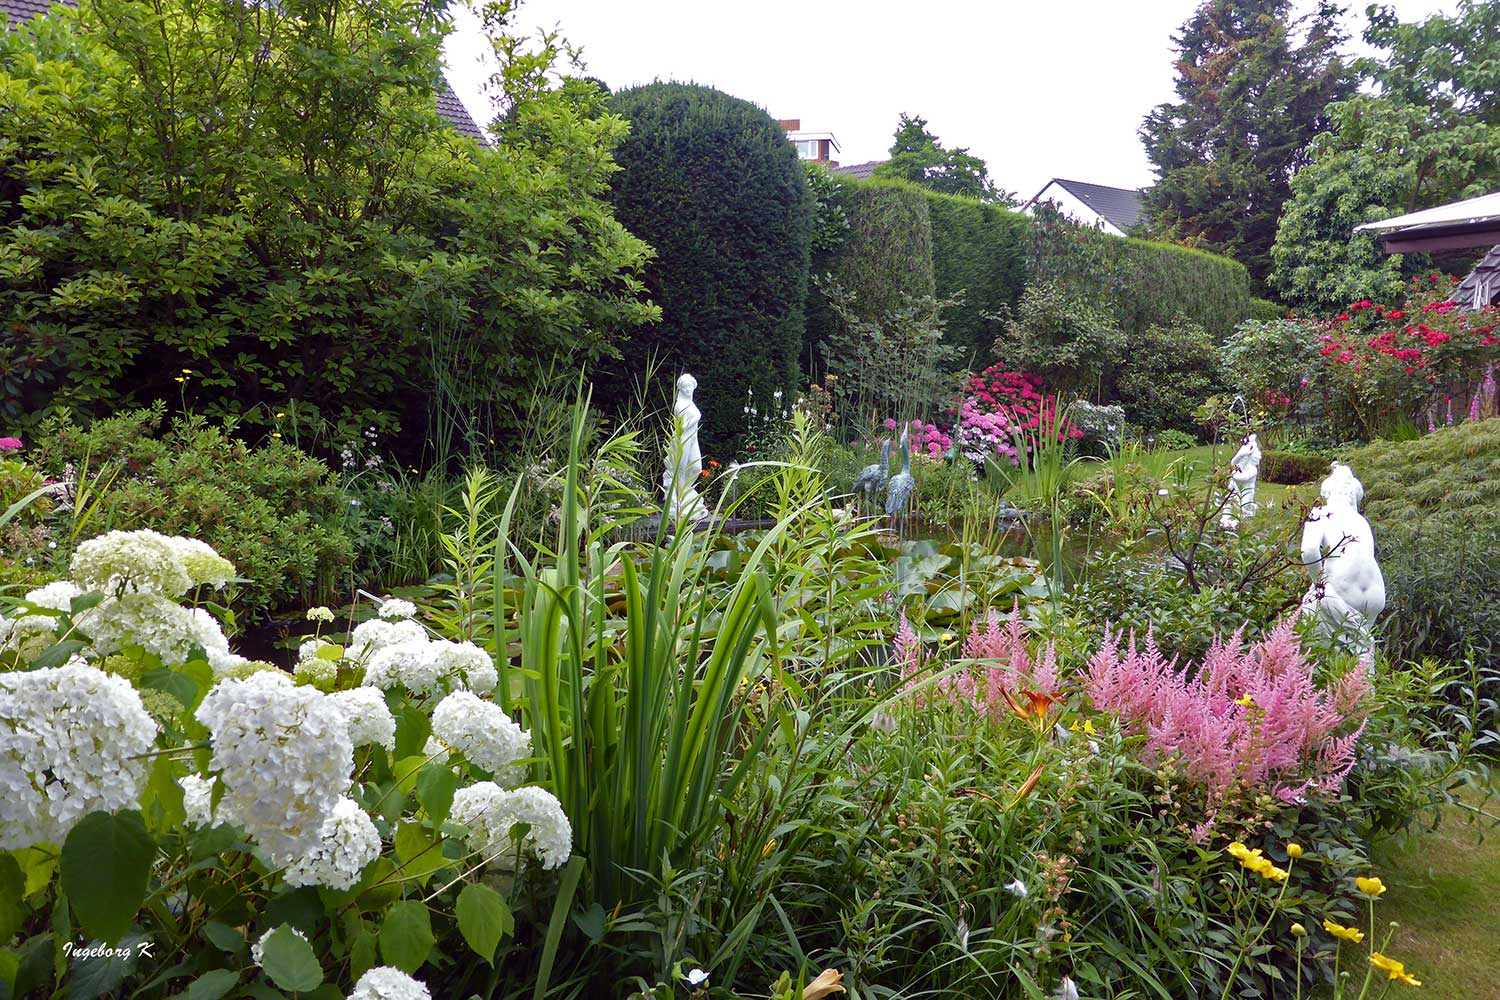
(1037, 89)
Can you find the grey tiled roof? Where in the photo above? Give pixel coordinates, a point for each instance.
(1121, 207)
(18, 12)
(1486, 274)
(861, 171)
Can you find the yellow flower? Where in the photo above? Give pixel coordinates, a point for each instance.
(1371, 887)
(1240, 851)
(1270, 871)
(828, 981)
(1347, 933)
(1088, 727)
(1294, 850)
(1246, 700)
(1395, 969)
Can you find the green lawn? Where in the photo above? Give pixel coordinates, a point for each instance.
(1207, 458)
(1444, 891)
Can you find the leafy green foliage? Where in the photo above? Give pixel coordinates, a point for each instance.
(1067, 341)
(1166, 374)
(289, 961)
(895, 362)
(1252, 85)
(106, 866)
(283, 216)
(711, 182)
(1292, 468)
(271, 510)
(1430, 134)
(918, 157)
(1433, 506)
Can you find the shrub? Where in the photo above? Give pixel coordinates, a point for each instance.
(1065, 340)
(1265, 310)
(1174, 440)
(294, 223)
(1166, 374)
(1434, 505)
(978, 252)
(271, 510)
(1292, 468)
(1164, 284)
(711, 182)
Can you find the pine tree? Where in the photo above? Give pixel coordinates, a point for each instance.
(1252, 86)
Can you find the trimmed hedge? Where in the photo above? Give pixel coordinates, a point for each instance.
(711, 182)
(978, 249)
(1266, 310)
(1163, 282)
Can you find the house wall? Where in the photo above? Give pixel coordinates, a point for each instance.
(1074, 208)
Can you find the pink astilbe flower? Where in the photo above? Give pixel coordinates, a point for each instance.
(908, 655)
(1248, 717)
(1003, 668)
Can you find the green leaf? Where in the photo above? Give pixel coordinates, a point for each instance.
(106, 865)
(173, 682)
(12, 892)
(224, 937)
(419, 851)
(10, 965)
(483, 920)
(56, 654)
(300, 907)
(289, 961)
(406, 936)
(412, 729)
(85, 601)
(161, 802)
(38, 866)
(435, 786)
(211, 985)
(362, 954)
(91, 977)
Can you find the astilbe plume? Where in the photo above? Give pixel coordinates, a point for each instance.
(1249, 717)
(1002, 666)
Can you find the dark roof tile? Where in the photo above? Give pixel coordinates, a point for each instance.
(1486, 274)
(860, 171)
(1121, 207)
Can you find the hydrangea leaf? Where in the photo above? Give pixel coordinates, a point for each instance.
(106, 865)
(406, 936)
(212, 985)
(435, 786)
(12, 890)
(289, 961)
(483, 920)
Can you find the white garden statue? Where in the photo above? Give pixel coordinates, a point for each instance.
(684, 459)
(1338, 549)
(1243, 474)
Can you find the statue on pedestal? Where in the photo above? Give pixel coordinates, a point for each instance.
(684, 459)
(1338, 549)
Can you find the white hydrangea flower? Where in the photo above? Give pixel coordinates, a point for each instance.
(70, 742)
(386, 983)
(258, 949)
(284, 756)
(374, 635)
(197, 799)
(466, 661)
(57, 595)
(348, 842)
(131, 561)
(491, 813)
(317, 670)
(320, 614)
(395, 609)
(160, 626)
(434, 748)
(204, 566)
(482, 732)
(28, 635)
(368, 716)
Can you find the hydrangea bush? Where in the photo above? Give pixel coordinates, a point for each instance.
(348, 818)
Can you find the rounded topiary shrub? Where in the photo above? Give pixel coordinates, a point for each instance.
(1292, 468)
(712, 183)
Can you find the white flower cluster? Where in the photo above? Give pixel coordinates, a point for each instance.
(148, 562)
(161, 626)
(491, 814)
(69, 739)
(57, 595)
(27, 635)
(320, 671)
(197, 799)
(423, 666)
(376, 634)
(284, 756)
(348, 842)
(395, 609)
(482, 732)
(368, 717)
(386, 983)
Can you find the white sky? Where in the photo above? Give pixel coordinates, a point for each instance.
(1037, 89)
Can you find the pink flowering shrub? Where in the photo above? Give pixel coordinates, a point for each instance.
(1003, 674)
(1249, 717)
(11, 444)
(924, 439)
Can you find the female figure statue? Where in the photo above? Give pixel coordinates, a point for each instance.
(1244, 473)
(1338, 549)
(684, 459)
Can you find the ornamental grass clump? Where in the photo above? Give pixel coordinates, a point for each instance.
(1246, 718)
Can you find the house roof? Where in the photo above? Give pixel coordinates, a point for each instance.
(859, 171)
(18, 12)
(1120, 207)
(1474, 222)
(1482, 286)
